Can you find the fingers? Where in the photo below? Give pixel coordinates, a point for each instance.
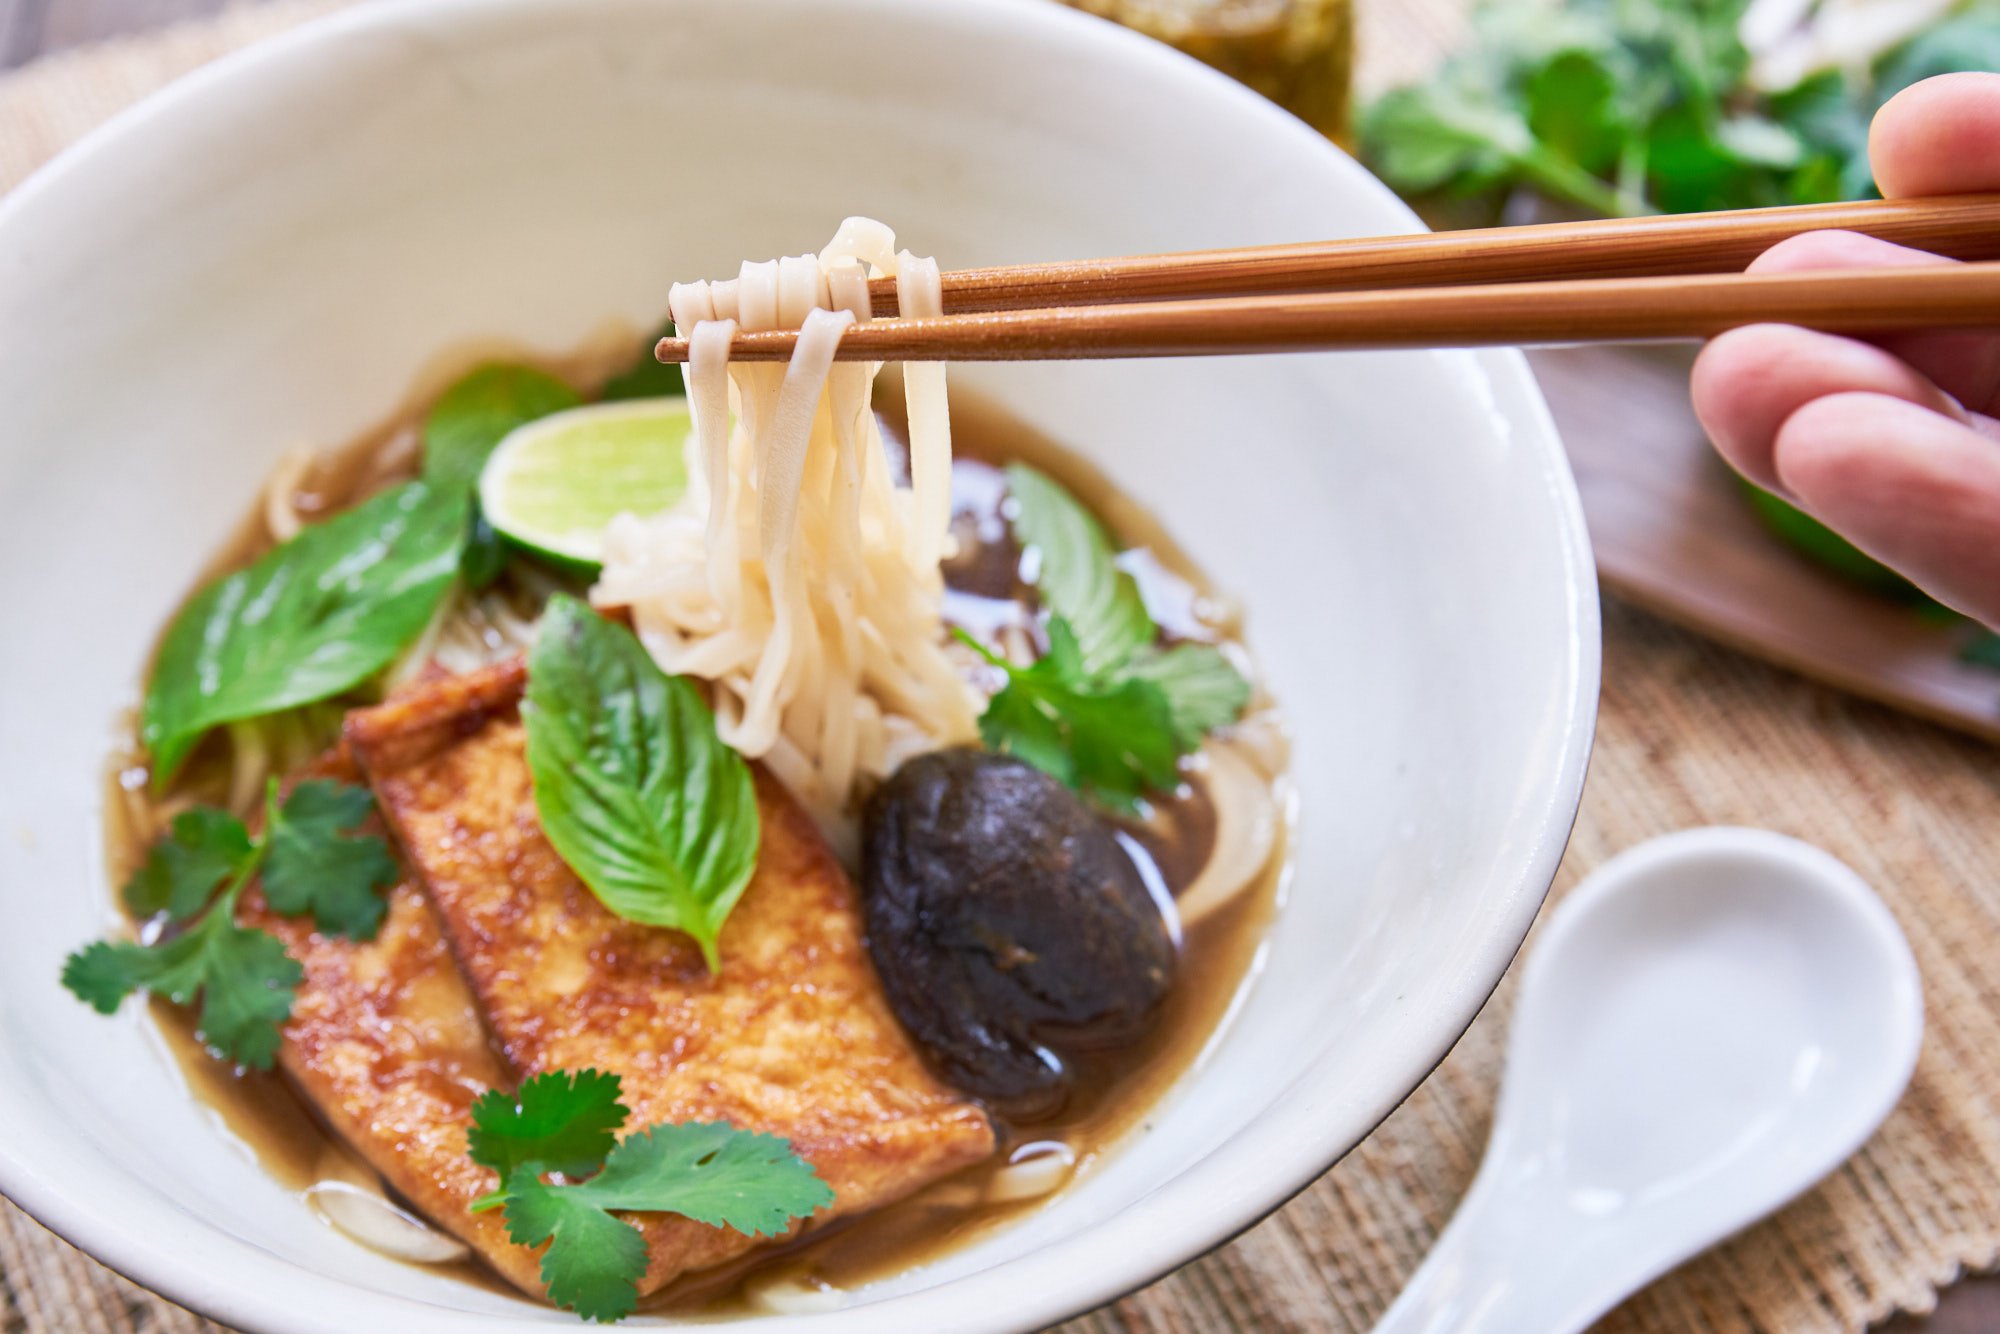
(1916, 490)
(1964, 365)
(1749, 382)
(1939, 137)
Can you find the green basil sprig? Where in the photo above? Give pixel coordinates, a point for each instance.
(310, 619)
(478, 412)
(635, 789)
(1077, 575)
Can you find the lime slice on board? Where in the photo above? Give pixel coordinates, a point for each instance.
(554, 485)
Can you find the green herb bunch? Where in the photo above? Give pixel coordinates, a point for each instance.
(565, 1124)
(313, 858)
(327, 612)
(1106, 710)
(1623, 107)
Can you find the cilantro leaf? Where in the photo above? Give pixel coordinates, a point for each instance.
(711, 1172)
(476, 414)
(1112, 739)
(1968, 42)
(240, 978)
(243, 979)
(635, 790)
(560, 1122)
(248, 986)
(1422, 139)
(1202, 688)
(103, 974)
(1619, 107)
(314, 862)
(1078, 577)
(1105, 710)
(594, 1261)
(204, 848)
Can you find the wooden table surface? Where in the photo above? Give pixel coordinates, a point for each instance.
(32, 28)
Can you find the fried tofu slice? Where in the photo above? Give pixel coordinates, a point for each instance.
(386, 1042)
(793, 1036)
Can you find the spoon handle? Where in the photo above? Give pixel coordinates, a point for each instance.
(1503, 1265)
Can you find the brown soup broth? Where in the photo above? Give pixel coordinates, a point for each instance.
(1114, 1092)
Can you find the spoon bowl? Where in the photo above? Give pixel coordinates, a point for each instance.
(1710, 1024)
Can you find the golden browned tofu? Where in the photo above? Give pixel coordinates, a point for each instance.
(792, 1037)
(386, 1042)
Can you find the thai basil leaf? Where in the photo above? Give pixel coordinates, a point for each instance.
(1079, 579)
(316, 616)
(635, 789)
(476, 414)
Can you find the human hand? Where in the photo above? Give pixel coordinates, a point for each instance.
(1893, 443)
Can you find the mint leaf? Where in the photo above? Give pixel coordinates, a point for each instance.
(476, 414)
(315, 862)
(242, 978)
(1203, 690)
(1078, 577)
(635, 789)
(559, 1122)
(647, 377)
(204, 848)
(316, 616)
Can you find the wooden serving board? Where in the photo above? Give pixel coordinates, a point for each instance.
(1673, 534)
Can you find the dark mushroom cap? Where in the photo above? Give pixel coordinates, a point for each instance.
(1009, 928)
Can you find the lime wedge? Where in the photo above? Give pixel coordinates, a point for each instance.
(554, 485)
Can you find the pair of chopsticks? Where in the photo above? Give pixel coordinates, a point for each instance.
(1602, 281)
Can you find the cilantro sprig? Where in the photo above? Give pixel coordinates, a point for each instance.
(1109, 737)
(312, 860)
(1616, 107)
(1106, 710)
(564, 1123)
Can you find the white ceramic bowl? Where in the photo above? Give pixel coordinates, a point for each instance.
(274, 249)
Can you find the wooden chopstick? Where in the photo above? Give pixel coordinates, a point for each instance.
(1961, 226)
(1853, 301)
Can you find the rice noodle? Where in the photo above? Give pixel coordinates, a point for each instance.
(796, 1293)
(281, 493)
(1032, 1171)
(1246, 831)
(350, 1197)
(795, 576)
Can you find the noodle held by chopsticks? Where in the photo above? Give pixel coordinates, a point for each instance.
(831, 678)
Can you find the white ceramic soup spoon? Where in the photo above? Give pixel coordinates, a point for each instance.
(1711, 1023)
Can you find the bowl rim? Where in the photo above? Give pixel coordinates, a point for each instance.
(259, 1291)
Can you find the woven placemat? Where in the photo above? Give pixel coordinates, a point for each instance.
(1690, 734)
